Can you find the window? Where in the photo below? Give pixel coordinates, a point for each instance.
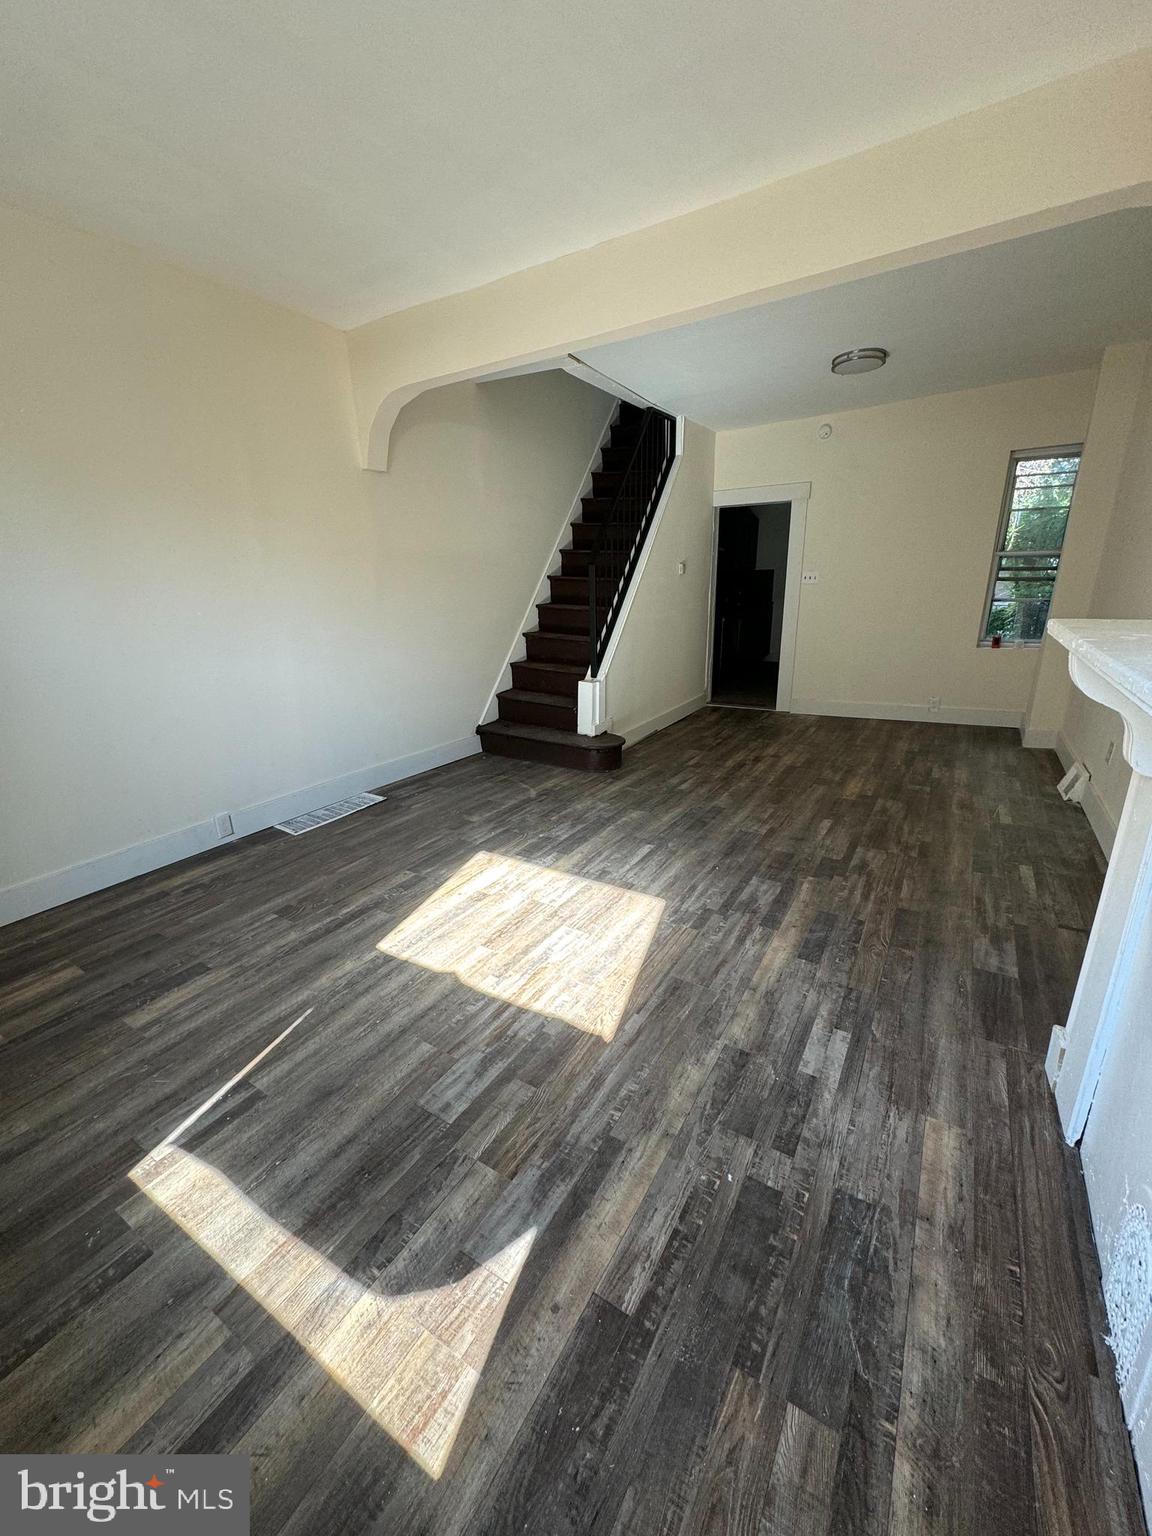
(1032, 523)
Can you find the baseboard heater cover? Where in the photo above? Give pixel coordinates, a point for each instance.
(297, 825)
(1072, 786)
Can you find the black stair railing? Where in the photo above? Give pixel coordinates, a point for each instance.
(620, 535)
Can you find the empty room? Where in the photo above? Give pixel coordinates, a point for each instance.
(576, 768)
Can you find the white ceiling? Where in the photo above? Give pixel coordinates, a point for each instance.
(1043, 304)
(356, 156)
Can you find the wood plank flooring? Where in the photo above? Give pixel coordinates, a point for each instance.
(667, 1152)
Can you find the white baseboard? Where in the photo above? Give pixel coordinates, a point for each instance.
(61, 885)
(914, 712)
(1040, 741)
(1099, 817)
(669, 717)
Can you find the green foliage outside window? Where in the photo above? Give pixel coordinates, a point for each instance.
(1037, 498)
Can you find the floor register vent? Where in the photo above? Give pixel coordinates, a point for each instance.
(339, 808)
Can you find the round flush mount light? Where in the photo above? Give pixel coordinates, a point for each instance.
(861, 360)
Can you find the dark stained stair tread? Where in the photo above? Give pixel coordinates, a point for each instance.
(596, 508)
(571, 647)
(587, 534)
(556, 679)
(568, 588)
(546, 733)
(569, 618)
(531, 696)
(542, 744)
(530, 706)
(576, 669)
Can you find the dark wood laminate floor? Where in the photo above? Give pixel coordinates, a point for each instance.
(758, 1220)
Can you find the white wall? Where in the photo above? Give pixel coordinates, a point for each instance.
(900, 531)
(1123, 590)
(206, 604)
(657, 672)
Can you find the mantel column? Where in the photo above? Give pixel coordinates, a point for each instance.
(1110, 661)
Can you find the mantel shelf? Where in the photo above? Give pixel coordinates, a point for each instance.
(1111, 661)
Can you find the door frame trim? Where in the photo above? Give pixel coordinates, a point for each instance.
(798, 494)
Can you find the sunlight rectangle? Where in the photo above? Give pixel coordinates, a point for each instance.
(410, 1359)
(541, 939)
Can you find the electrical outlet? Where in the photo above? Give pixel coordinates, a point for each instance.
(933, 703)
(681, 567)
(223, 825)
(1108, 754)
(809, 577)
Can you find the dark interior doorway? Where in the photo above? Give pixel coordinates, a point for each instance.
(751, 570)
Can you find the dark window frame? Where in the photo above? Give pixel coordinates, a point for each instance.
(1044, 562)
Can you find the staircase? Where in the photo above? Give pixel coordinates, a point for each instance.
(537, 719)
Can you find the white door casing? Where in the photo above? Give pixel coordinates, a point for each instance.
(797, 494)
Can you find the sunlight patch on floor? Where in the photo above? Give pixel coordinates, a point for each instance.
(412, 1361)
(568, 948)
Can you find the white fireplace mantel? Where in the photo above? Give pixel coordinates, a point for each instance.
(1110, 660)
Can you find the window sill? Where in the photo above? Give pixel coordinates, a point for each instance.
(1009, 645)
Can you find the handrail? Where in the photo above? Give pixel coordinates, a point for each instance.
(620, 537)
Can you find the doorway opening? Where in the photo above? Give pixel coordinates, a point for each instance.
(748, 610)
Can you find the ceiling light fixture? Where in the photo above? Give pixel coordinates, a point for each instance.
(861, 360)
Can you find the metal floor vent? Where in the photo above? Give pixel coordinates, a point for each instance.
(313, 819)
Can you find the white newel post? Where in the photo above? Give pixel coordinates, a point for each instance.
(1111, 661)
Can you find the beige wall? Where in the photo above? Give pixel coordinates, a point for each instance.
(657, 671)
(1123, 590)
(1078, 146)
(900, 531)
(206, 603)
(1105, 448)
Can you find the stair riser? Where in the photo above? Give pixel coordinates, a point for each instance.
(561, 716)
(595, 509)
(587, 534)
(557, 621)
(569, 589)
(572, 649)
(606, 571)
(615, 458)
(574, 562)
(545, 682)
(550, 752)
(605, 484)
